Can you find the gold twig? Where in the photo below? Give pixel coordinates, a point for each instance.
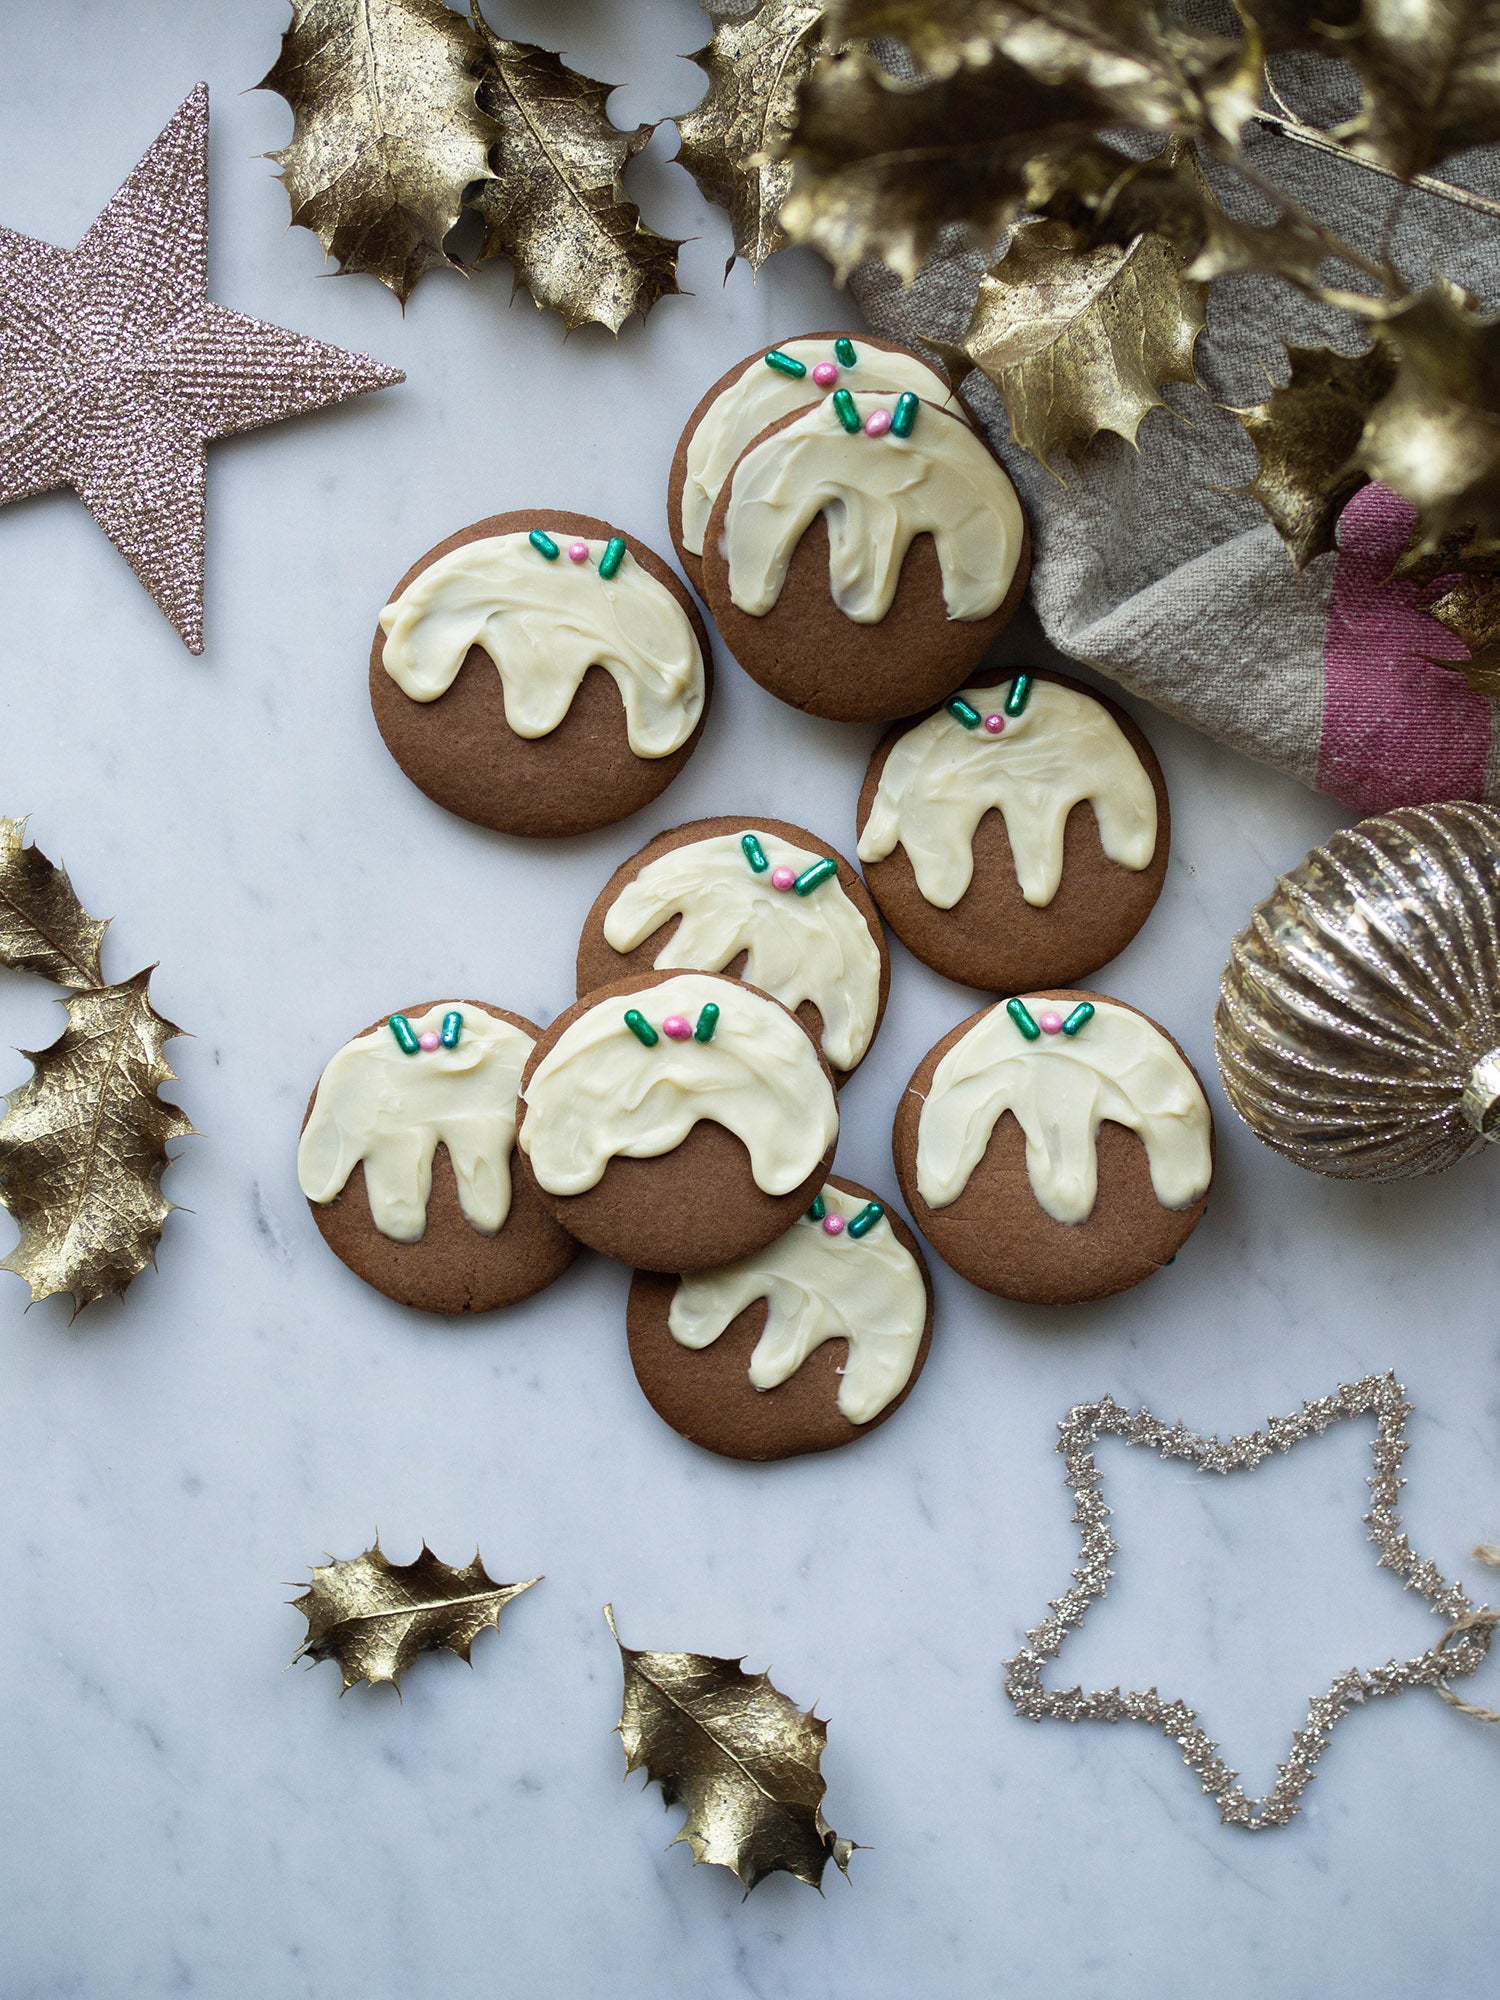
(1308, 135)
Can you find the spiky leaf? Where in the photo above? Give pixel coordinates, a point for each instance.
(1431, 76)
(374, 1616)
(43, 926)
(1470, 608)
(743, 1759)
(84, 1143)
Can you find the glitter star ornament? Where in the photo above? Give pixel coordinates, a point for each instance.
(116, 370)
(1459, 1650)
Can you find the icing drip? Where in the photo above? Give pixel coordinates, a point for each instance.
(597, 1093)
(941, 779)
(760, 397)
(816, 947)
(544, 624)
(377, 1104)
(1061, 1089)
(878, 494)
(819, 1287)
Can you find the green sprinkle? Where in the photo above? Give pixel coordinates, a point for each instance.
(613, 556)
(810, 878)
(818, 1210)
(786, 364)
(453, 1027)
(1021, 1015)
(905, 414)
(543, 544)
(641, 1028)
(1020, 694)
(708, 1020)
(1080, 1017)
(755, 854)
(848, 416)
(844, 353)
(865, 1221)
(405, 1033)
(964, 712)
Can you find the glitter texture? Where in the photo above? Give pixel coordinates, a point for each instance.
(116, 371)
(1456, 1653)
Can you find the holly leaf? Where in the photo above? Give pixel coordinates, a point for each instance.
(1307, 436)
(1081, 341)
(731, 144)
(1470, 608)
(374, 1616)
(743, 1758)
(388, 133)
(556, 206)
(83, 1146)
(43, 926)
(1430, 71)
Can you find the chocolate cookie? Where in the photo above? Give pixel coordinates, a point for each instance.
(677, 1121)
(540, 673)
(408, 1161)
(1017, 836)
(863, 556)
(810, 1344)
(770, 384)
(755, 898)
(1055, 1148)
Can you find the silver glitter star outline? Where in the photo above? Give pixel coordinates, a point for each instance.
(116, 371)
(1455, 1654)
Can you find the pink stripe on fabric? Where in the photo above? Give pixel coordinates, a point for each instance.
(1397, 730)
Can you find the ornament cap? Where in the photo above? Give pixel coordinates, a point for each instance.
(1481, 1098)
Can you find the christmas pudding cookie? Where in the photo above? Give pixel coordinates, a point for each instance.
(773, 383)
(768, 902)
(863, 555)
(540, 674)
(406, 1161)
(677, 1121)
(806, 1345)
(1018, 835)
(1055, 1148)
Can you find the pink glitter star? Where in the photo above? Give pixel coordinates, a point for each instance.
(116, 371)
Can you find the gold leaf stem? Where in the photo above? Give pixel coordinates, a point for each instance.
(1308, 135)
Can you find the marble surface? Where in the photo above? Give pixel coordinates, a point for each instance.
(183, 1816)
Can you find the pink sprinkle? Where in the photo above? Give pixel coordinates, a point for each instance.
(994, 724)
(782, 878)
(678, 1030)
(1050, 1024)
(429, 1040)
(825, 374)
(833, 1225)
(578, 552)
(877, 423)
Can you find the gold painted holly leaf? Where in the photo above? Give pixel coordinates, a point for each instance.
(1430, 71)
(1470, 608)
(83, 1145)
(387, 132)
(556, 206)
(374, 1616)
(1306, 436)
(731, 143)
(1081, 341)
(741, 1756)
(43, 926)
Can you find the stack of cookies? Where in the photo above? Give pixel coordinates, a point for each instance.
(859, 547)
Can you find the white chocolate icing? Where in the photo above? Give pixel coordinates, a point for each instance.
(1062, 1088)
(761, 396)
(377, 1104)
(819, 1287)
(597, 1094)
(941, 779)
(544, 624)
(878, 494)
(816, 947)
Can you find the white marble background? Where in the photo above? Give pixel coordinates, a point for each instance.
(180, 1815)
